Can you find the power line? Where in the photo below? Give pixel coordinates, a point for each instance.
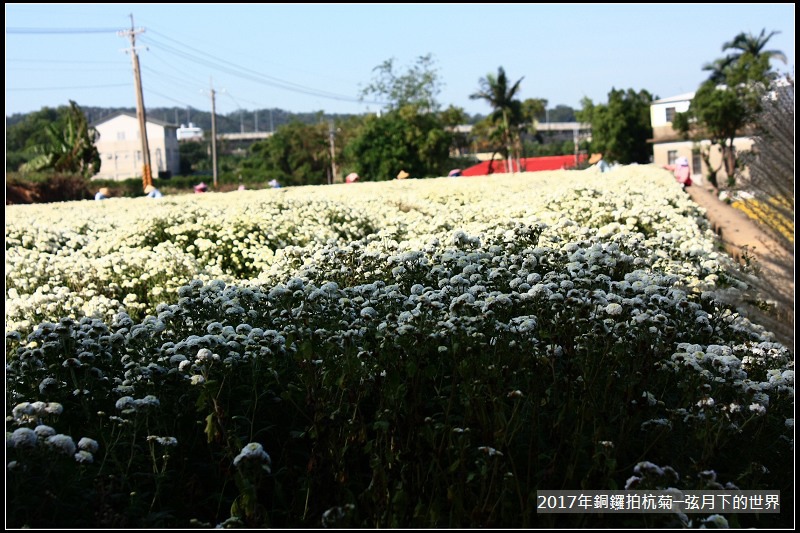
(40, 31)
(213, 62)
(66, 68)
(246, 73)
(61, 61)
(164, 76)
(256, 77)
(64, 88)
(183, 104)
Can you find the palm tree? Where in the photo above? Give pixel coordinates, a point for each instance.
(718, 69)
(744, 44)
(496, 91)
(750, 44)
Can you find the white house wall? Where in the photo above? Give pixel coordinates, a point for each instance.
(667, 145)
(120, 149)
(688, 149)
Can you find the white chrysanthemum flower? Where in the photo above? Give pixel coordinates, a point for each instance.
(614, 309)
(62, 443)
(90, 445)
(705, 402)
(716, 521)
(53, 408)
(84, 456)
(126, 402)
(368, 312)
(22, 438)
(46, 383)
(43, 431)
(253, 452)
(632, 482)
(148, 401)
(177, 359)
(491, 452)
(163, 441)
(23, 409)
(646, 467)
(203, 354)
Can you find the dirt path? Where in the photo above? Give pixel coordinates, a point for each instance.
(743, 238)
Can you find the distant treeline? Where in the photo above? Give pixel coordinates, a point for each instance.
(233, 122)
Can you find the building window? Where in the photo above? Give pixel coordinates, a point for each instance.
(697, 163)
(120, 135)
(672, 155)
(670, 114)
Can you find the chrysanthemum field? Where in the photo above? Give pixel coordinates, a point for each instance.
(416, 353)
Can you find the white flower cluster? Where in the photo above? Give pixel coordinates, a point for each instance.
(26, 412)
(622, 260)
(127, 404)
(254, 452)
(43, 435)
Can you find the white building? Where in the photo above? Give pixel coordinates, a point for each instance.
(190, 133)
(668, 144)
(120, 147)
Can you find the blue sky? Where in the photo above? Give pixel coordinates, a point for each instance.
(318, 57)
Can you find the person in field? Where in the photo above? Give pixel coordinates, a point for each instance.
(598, 161)
(682, 171)
(151, 192)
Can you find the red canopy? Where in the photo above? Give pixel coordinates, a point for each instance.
(528, 164)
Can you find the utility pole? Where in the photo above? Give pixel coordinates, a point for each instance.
(213, 135)
(331, 134)
(255, 115)
(147, 177)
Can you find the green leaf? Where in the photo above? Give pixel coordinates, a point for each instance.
(211, 428)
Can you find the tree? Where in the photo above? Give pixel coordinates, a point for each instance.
(531, 109)
(418, 86)
(507, 113)
(297, 154)
(726, 104)
(22, 136)
(621, 127)
(69, 146)
(451, 118)
(194, 157)
(746, 43)
(408, 138)
(561, 113)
